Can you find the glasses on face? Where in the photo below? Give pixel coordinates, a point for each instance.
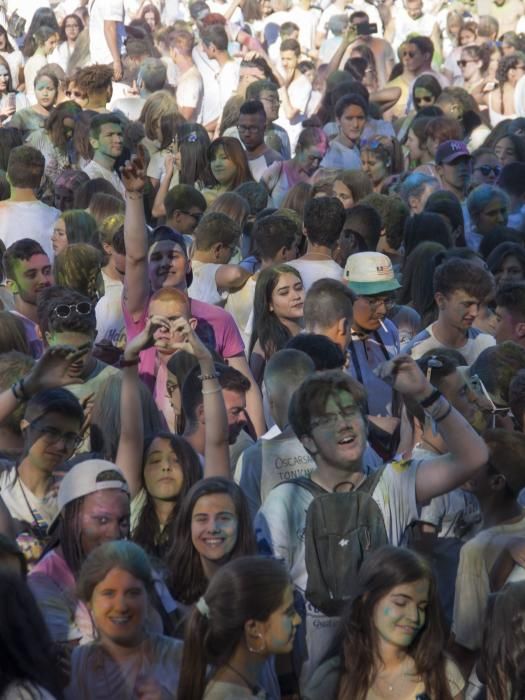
(53, 435)
(329, 420)
(376, 302)
(272, 100)
(248, 129)
(194, 215)
(487, 170)
(408, 54)
(480, 388)
(65, 310)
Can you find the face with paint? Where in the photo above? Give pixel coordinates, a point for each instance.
(31, 277)
(104, 517)
(214, 526)
(45, 92)
(278, 631)
(400, 615)
(163, 475)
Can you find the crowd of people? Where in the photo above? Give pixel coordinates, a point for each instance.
(262, 349)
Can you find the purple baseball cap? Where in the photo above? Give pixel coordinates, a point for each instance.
(449, 151)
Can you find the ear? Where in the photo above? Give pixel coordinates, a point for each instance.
(439, 298)
(193, 323)
(12, 286)
(253, 630)
(309, 444)
(342, 327)
(93, 143)
(24, 424)
(497, 482)
(519, 330)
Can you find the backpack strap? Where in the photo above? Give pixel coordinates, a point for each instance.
(371, 481)
(309, 485)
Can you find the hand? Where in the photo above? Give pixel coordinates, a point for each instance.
(7, 112)
(117, 70)
(134, 172)
(190, 341)
(147, 688)
(351, 34)
(145, 339)
(406, 377)
(52, 370)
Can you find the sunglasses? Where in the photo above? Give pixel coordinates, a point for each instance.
(408, 54)
(487, 170)
(83, 308)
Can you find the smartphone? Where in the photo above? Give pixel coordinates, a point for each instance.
(366, 28)
(11, 99)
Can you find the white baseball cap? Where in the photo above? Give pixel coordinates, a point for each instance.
(88, 477)
(370, 273)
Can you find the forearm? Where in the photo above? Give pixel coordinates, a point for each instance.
(231, 277)
(290, 111)
(136, 242)
(216, 449)
(254, 403)
(111, 36)
(466, 447)
(158, 205)
(336, 59)
(130, 445)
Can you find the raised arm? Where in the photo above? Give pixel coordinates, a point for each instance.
(136, 282)
(216, 449)
(467, 451)
(111, 36)
(231, 277)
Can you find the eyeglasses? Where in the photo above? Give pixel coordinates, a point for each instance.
(195, 215)
(83, 308)
(376, 302)
(480, 388)
(487, 170)
(408, 54)
(329, 420)
(52, 435)
(248, 129)
(272, 100)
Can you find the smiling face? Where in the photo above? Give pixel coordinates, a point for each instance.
(223, 167)
(458, 309)
(288, 297)
(352, 122)
(163, 475)
(214, 527)
(168, 266)
(31, 277)
(104, 517)
(119, 606)
(45, 92)
(400, 615)
(338, 436)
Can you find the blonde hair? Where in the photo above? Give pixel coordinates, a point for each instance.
(156, 106)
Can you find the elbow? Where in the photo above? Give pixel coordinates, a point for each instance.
(136, 260)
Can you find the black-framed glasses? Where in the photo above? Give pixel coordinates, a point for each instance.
(83, 308)
(53, 435)
(329, 420)
(248, 129)
(195, 215)
(375, 302)
(487, 170)
(409, 54)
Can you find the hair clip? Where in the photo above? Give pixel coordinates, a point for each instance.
(203, 607)
(192, 137)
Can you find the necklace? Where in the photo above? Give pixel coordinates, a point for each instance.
(254, 689)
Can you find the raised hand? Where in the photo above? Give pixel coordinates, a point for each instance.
(133, 173)
(52, 370)
(404, 374)
(146, 338)
(190, 340)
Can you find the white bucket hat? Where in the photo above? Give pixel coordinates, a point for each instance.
(370, 273)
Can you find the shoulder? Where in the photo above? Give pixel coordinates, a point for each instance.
(417, 339)
(210, 312)
(454, 676)
(323, 683)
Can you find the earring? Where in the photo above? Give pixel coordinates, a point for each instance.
(257, 651)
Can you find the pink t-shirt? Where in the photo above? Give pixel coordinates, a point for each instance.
(215, 327)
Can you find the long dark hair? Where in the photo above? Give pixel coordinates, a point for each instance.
(25, 644)
(503, 644)
(187, 580)
(382, 571)
(267, 329)
(193, 143)
(249, 588)
(147, 531)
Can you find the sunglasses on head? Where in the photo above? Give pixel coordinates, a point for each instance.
(83, 308)
(487, 170)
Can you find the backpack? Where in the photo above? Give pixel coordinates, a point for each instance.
(341, 529)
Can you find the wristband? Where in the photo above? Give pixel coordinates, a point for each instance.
(203, 377)
(445, 415)
(434, 396)
(129, 363)
(211, 391)
(19, 391)
(437, 410)
(14, 388)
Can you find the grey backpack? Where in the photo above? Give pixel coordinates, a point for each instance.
(341, 529)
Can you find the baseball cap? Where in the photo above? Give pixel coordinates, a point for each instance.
(89, 477)
(370, 273)
(166, 233)
(449, 151)
(199, 10)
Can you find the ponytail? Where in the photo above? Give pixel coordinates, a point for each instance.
(192, 679)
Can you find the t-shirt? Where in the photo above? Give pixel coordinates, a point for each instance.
(240, 305)
(108, 311)
(258, 165)
(228, 80)
(208, 68)
(18, 690)
(299, 92)
(101, 11)
(94, 381)
(340, 156)
(94, 170)
(215, 327)
(220, 690)
(476, 342)
(472, 583)
(28, 219)
(96, 676)
(190, 91)
(313, 270)
(203, 286)
(280, 527)
(365, 353)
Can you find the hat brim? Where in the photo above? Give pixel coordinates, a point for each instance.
(453, 157)
(369, 288)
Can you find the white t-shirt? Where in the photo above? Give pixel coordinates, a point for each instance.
(280, 527)
(26, 8)
(190, 92)
(101, 11)
(228, 80)
(475, 343)
(28, 220)
(313, 270)
(299, 92)
(204, 287)
(406, 26)
(211, 101)
(94, 170)
(108, 311)
(12, 491)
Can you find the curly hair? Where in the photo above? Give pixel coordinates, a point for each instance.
(93, 78)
